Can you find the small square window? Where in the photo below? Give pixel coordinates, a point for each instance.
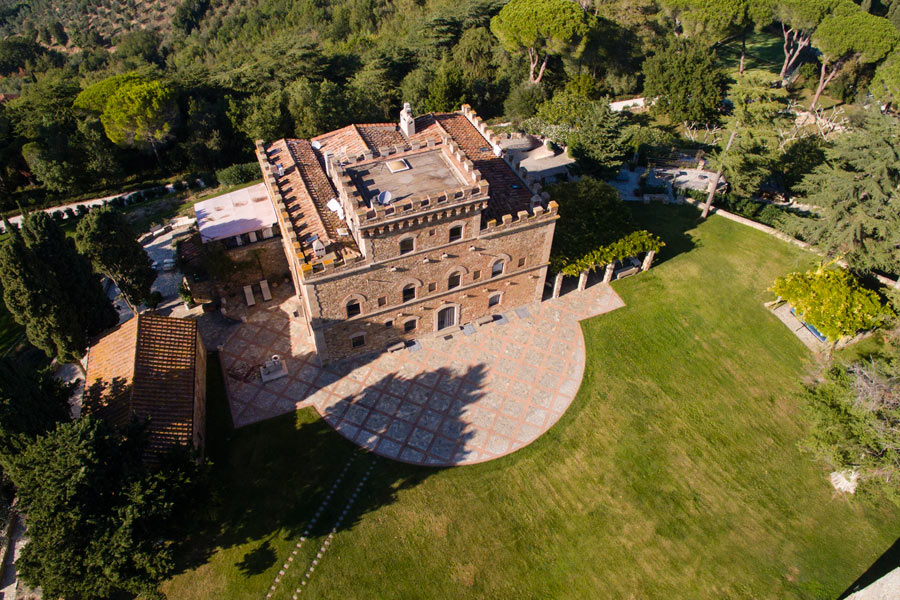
(358, 341)
(382, 301)
(522, 262)
(388, 324)
(476, 274)
(431, 232)
(431, 287)
(409, 326)
(494, 300)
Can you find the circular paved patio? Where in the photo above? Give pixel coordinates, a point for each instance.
(463, 400)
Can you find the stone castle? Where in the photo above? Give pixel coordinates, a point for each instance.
(398, 231)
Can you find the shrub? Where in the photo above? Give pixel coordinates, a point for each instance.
(832, 301)
(154, 299)
(523, 101)
(237, 174)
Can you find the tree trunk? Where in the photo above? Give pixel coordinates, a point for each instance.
(532, 63)
(788, 36)
(715, 182)
(155, 153)
(743, 52)
(541, 72)
(823, 83)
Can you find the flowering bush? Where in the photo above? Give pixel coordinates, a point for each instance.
(832, 301)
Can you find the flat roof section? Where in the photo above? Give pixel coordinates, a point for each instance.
(427, 173)
(235, 213)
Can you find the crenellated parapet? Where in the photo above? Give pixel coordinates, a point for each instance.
(523, 217)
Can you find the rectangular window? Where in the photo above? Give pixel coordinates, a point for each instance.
(494, 300)
(522, 262)
(431, 287)
(353, 309)
(388, 324)
(409, 326)
(476, 274)
(455, 233)
(453, 281)
(358, 341)
(382, 301)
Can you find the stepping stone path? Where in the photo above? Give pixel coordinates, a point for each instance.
(459, 399)
(315, 562)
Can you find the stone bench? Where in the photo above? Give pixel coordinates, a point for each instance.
(396, 347)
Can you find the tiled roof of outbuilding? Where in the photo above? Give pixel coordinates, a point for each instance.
(146, 368)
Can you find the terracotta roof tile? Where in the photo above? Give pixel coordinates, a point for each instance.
(306, 190)
(146, 368)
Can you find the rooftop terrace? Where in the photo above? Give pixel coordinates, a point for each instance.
(414, 174)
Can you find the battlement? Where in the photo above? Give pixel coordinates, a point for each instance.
(523, 217)
(310, 271)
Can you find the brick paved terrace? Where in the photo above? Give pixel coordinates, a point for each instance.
(462, 399)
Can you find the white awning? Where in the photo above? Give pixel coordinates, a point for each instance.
(228, 215)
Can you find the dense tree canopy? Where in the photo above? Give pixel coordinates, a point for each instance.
(848, 34)
(106, 238)
(50, 289)
(543, 28)
(141, 114)
(99, 521)
(31, 404)
(685, 82)
(858, 191)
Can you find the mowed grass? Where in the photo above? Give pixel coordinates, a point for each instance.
(676, 472)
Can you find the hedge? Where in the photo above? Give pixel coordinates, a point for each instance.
(237, 174)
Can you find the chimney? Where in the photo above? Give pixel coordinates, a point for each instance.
(407, 122)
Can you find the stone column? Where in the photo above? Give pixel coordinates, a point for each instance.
(648, 260)
(557, 284)
(582, 280)
(608, 274)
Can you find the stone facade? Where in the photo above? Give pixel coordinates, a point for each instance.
(427, 262)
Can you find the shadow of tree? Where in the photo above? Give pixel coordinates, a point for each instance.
(271, 478)
(671, 222)
(259, 559)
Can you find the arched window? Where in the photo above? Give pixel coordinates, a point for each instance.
(409, 292)
(494, 299)
(497, 268)
(353, 308)
(455, 233)
(407, 245)
(409, 326)
(453, 280)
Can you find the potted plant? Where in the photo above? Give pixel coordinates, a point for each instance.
(185, 294)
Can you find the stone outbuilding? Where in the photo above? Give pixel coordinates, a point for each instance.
(151, 368)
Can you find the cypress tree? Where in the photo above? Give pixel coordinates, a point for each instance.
(50, 289)
(106, 238)
(78, 283)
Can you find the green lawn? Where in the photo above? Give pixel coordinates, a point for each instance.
(676, 472)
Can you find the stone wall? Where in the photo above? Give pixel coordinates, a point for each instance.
(200, 396)
(379, 288)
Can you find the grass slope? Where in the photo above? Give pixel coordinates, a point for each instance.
(676, 473)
